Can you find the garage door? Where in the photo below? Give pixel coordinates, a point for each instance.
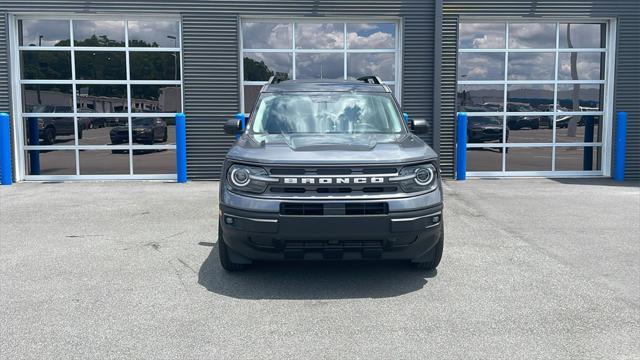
(536, 94)
(97, 97)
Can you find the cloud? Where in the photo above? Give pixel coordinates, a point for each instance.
(477, 66)
(85, 29)
(532, 35)
(531, 66)
(481, 35)
(52, 32)
(319, 36)
(382, 65)
(259, 35)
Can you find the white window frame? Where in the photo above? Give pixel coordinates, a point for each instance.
(18, 115)
(397, 50)
(606, 113)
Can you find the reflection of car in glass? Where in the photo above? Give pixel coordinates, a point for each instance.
(51, 127)
(90, 122)
(329, 170)
(519, 122)
(143, 130)
(482, 129)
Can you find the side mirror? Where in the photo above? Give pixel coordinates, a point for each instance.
(419, 126)
(233, 126)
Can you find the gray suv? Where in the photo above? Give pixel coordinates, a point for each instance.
(329, 170)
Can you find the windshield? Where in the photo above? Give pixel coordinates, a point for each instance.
(326, 113)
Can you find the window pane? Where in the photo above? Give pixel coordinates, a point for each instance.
(156, 98)
(532, 35)
(531, 66)
(43, 33)
(49, 98)
(50, 162)
(380, 64)
(154, 65)
(580, 66)
(154, 161)
(49, 131)
(484, 159)
(530, 129)
(521, 98)
(580, 97)
(582, 35)
(480, 98)
(481, 35)
(319, 36)
(251, 93)
(371, 36)
(262, 35)
(100, 65)
(319, 66)
(569, 158)
(98, 33)
(477, 66)
(103, 131)
(528, 159)
(261, 66)
(484, 129)
(41, 65)
(103, 98)
(157, 33)
(104, 162)
(577, 128)
(152, 130)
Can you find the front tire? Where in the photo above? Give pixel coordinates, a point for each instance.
(435, 255)
(225, 258)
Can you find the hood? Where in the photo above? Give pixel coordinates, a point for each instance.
(310, 150)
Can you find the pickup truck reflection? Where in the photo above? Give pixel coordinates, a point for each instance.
(143, 131)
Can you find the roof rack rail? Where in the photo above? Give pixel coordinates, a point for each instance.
(277, 78)
(370, 79)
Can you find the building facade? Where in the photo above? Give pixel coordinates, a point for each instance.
(92, 86)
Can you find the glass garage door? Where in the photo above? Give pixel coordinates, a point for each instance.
(535, 95)
(306, 49)
(98, 97)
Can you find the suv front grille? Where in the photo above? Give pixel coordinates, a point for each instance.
(336, 209)
(320, 173)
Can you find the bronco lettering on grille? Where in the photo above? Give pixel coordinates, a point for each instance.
(336, 180)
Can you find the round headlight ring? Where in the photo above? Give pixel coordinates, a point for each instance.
(240, 177)
(424, 176)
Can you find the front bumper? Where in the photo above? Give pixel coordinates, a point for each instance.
(256, 235)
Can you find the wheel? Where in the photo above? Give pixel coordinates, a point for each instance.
(225, 258)
(165, 136)
(80, 133)
(49, 136)
(435, 255)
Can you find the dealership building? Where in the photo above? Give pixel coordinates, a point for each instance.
(92, 87)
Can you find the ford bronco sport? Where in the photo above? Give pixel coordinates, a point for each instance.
(329, 170)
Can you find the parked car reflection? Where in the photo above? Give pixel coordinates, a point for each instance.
(481, 129)
(526, 121)
(143, 130)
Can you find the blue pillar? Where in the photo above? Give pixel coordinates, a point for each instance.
(34, 139)
(461, 147)
(621, 146)
(6, 177)
(181, 147)
(587, 160)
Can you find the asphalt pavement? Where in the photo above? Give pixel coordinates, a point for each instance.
(532, 269)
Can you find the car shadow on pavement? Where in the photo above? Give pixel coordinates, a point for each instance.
(312, 280)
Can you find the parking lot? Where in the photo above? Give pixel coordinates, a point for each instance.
(532, 268)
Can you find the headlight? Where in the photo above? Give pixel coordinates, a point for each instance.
(248, 178)
(418, 178)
